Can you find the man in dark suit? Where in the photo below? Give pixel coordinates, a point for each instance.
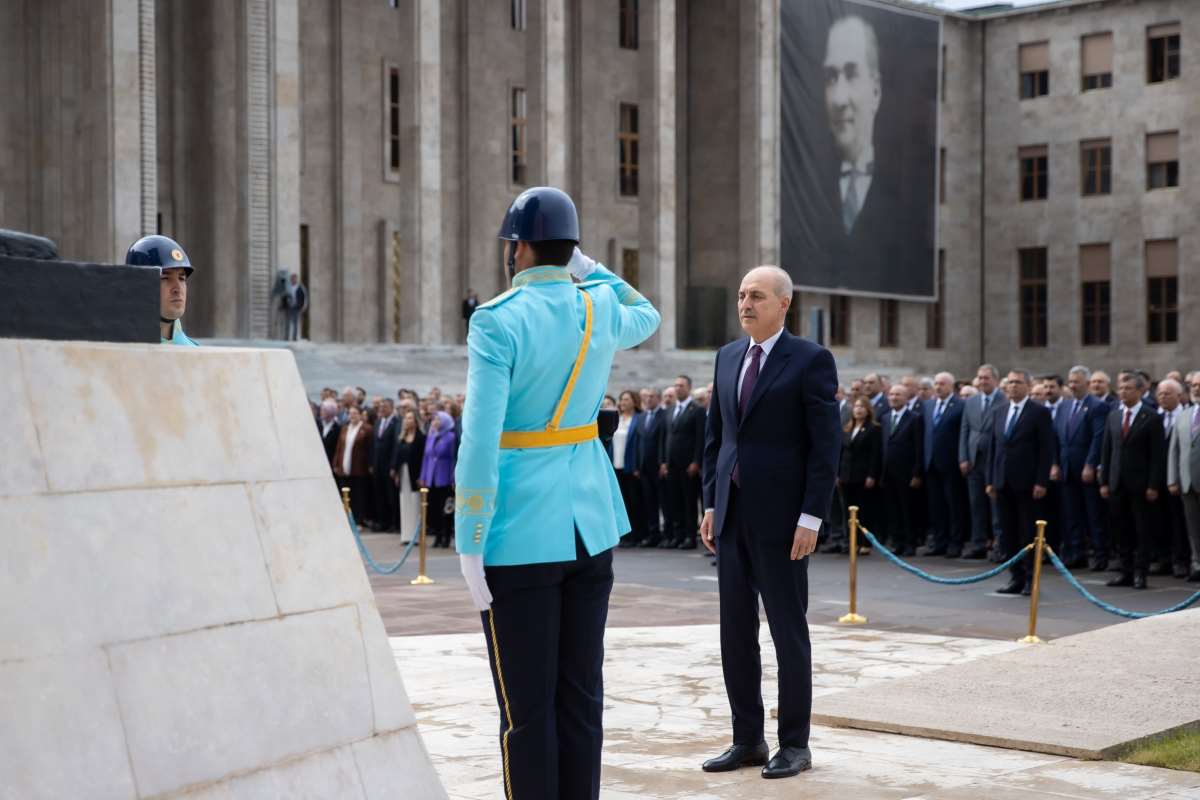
(770, 462)
(1172, 554)
(683, 454)
(903, 459)
(329, 428)
(1022, 453)
(384, 490)
(1100, 386)
(946, 489)
(975, 454)
(1079, 427)
(1051, 387)
(647, 458)
(875, 387)
(1131, 473)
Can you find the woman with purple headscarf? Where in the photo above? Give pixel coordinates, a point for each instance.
(437, 474)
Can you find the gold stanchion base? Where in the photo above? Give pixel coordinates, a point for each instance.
(1030, 640)
(852, 619)
(421, 580)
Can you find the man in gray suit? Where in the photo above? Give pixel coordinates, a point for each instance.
(1183, 469)
(974, 453)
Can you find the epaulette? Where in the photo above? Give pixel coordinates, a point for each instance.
(500, 298)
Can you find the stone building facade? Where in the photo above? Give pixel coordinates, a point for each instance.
(373, 145)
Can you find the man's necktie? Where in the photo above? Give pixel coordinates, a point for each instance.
(744, 396)
(895, 422)
(937, 412)
(1168, 423)
(851, 203)
(1012, 422)
(1125, 424)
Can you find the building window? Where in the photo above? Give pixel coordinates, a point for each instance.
(935, 313)
(1162, 160)
(942, 82)
(629, 266)
(1035, 70)
(1096, 166)
(839, 320)
(889, 323)
(627, 150)
(520, 166)
(942, 176)
(1162, 291)
(392, 138)
(1095, 277)
(520, 16)
(1097, 61)
(629, 24)
(1162, 52)
(1034, 168)
(1033, 291)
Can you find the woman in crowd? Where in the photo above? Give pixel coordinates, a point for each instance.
(624, 457)
(352, 461)
(437, 474)
(407, 460)
(862, 461)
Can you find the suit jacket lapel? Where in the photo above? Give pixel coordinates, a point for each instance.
(729, 380)
(780, 353)
(1142, 415)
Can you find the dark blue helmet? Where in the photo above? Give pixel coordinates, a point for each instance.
(541, 214)
(158, 251)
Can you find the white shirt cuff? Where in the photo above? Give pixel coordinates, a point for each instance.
(810, 522)
(709, 510)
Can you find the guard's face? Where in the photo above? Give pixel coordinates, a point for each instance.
(172, 293)
(852, 90)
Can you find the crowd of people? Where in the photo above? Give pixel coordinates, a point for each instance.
(936, 466)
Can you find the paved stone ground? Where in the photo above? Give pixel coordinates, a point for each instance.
(666, 712)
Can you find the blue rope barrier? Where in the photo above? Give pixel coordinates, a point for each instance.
(371, 562)
(1096, 601)
(920, 573)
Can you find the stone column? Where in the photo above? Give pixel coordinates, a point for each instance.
(759, 145)
(147, 74)
(555, 117)
(285, 168)
(348, 237)
(256, 180)
(128, 106)
(427, 64)
(658, 189)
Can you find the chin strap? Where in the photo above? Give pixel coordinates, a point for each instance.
(512, 262)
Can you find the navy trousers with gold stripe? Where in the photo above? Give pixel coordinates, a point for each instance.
(545, 638)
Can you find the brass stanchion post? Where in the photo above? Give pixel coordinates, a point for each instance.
(1039, 547)
(853, 618)
(422, 579)
(346, 499)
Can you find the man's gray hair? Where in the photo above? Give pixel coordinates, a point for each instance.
(926, 382)
(1132, 375)
(948, 375)
(992, 369)
(1080, 369)
(1171, 383)
(782, 280)
(329, 405)
(1024, 373)
(871, 39)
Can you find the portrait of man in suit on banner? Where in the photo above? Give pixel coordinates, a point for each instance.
(858, 204)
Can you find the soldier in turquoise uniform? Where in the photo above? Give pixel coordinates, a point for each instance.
(175, 269)
(538, 506)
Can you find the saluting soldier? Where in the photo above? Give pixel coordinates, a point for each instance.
(166, 254)
(539, 509)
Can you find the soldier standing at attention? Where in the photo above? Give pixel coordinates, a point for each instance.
(166, 254)
(538, 506)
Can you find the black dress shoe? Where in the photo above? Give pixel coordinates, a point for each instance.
(1124, 579)
(1180, 571)
(1028, 589)
(1012, 587)
(649, 541)
(953, 552)
(626, 542)
(740, 755)
(933, 551)
(1076, 563)
(1100, 565)
(908, 552)
(1194, 577)
(787, 762)
(974, 553)
(832, 547)
(668, 544)
(1139, 580)
(687, 544)
(1160, 568)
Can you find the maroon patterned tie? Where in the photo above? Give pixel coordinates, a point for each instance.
(746, 393)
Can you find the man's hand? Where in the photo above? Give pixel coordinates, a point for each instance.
(1104, 492)
(803, 543)
(1039, 491)
(637, 473)
(964, 467)
(706, 532)
(693, 470)
(990, 491)
(1089, 474)
(869, 483)
(662, 470)
(580, 266)
(1174, 489)
(1152, 495)
(915, 483)
(472, 570)
(1055, 473)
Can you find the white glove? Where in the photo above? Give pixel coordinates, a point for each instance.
(472, 570)
(580, 266)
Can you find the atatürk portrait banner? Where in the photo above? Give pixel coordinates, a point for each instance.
(859, 147)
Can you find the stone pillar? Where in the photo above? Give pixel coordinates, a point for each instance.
(555, 117)
(127, 136)
(285, 168)
(427, 64)
(259, 315)
(348, 276)
(147, 74)
(659, 187)
(759, 145)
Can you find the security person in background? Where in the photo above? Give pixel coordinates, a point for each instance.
(538, 506)
(166, 254)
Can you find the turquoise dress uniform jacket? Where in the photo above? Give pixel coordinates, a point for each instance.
(178, 336)
(524, 505)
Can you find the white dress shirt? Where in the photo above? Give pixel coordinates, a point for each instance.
(328, 426)
(351, 435)
(768, 344)
(1014, 412)
(620, 437)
